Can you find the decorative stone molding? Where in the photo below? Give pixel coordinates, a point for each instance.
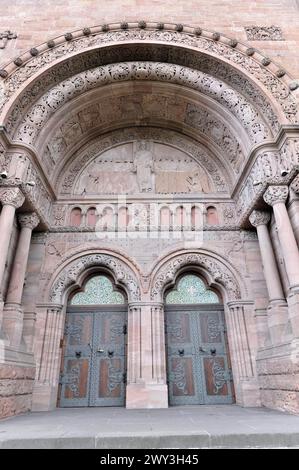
(30, 220)
(70, 274)
(5, 37)
(259, 218)
(12, 197)
(275, 167)
(217, 270)
(276, 194)
(263, 33)
(295, 184)
(37, 117)
(251, 67)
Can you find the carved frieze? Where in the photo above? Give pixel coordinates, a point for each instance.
(70, 275)
(271, 167)
(141, 106)
(219, 272)
(263, 33)
(237, 80)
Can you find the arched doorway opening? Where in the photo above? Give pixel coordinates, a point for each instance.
(93, 367)
(198, 362)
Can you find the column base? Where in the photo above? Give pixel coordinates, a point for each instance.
(13, 324)
(44, 397)
(146, 395)
(278, 322)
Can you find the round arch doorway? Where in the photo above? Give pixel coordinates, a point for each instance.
(198, 362)
(93, 368)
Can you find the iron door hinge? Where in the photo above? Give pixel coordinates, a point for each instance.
(125, 378)
(125, 330)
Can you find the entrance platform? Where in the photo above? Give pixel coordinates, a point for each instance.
(220, 426)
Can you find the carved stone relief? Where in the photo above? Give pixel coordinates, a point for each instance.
(6, 36)
(143, 167)
(263, 33)
(136, 106)
(217, 270)
(273, 167)
(210, 65)
(182, 149)
(70, 274)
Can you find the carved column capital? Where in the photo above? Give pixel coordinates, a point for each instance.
(276, 194)
(259, 218)
(12, 197)
(29, 220)
(295, 185)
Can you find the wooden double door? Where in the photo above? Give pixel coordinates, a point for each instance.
(197, 356)
(94, 357)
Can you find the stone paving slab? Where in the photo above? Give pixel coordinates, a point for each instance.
(220, 426)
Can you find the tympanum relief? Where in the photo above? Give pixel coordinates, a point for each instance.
(143, 167)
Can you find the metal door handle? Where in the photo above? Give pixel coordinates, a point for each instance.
(78, 354)
(110, 353)
(213, 351)
(99, 350)
(202, 350)
(181, 352)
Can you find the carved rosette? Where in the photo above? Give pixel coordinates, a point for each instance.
(217, 270)
(12, 197)
(276, 194)
(295, 185)
(71, 273)
(259, 218)
(30, 220)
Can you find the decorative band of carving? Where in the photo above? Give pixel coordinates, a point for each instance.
(30, 220)
(276, 194)
(71, 273)
(12, 197)
(217, 270)
(259, 218)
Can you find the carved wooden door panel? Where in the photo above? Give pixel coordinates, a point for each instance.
(198, 367)
(108, 370)
(94, 363)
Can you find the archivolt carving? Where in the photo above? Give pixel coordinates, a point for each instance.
(81, 159)
(54, 99)
(219, 272)
(71, 273)
(276, 87)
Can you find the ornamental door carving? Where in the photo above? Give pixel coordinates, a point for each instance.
(94, 353)
(197, 355)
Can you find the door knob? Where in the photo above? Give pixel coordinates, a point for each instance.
(181, 352)
(78, 354)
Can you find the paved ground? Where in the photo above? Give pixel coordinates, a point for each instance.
(227, 426)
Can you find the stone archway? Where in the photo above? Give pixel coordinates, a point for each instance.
(219, 274)
(51, 314)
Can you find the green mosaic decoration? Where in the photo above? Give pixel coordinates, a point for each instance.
(98, 291)
(191, 290)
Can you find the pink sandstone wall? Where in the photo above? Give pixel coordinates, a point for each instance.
(36, 21)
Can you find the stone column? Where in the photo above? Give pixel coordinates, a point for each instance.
(11, 199)
(277, 309)
(238, 315)
(48, 357)
(276, 197)
(13, 311)
(146, 387)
